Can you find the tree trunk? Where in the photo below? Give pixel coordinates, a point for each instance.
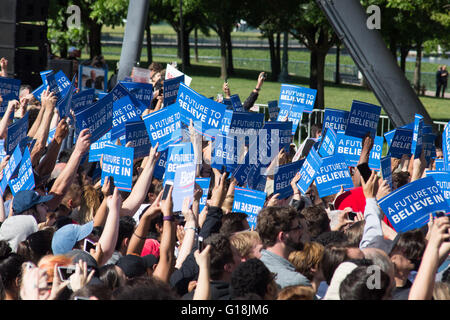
(94, 37)
(149, 43)
(278, 51)
(274, 63)
(337, 79)
(418, 67)
(196, 44)
(230, 66)
(186, 48)
(404, 50)
(178, 44)
(317, 76)
(223, 57)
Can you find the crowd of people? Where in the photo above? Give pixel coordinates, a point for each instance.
(303, 247)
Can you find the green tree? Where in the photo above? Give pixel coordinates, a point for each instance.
(310, 26)
(222, 17)
(94, 14)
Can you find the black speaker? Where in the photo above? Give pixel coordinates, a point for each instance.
(23, 38)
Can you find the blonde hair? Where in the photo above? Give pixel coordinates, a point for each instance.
(441, 291)
(90, 202)
(308, 258)
(296, 293)
(244, 241)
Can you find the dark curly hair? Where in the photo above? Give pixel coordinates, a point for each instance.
(251, 276)
(355, 285)
(221, 253)
(10, 264)
(273, 220)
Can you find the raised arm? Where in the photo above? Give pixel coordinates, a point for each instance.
(190, 229)
(4, 123)
(65, 179)
(139, 235)
(47, 164)
(203, 289)
(250, 101)
(422, 288)
(140, 189)
(3, 67)
(110, 232)
(367, 145)
(166, 250)
(48, 103)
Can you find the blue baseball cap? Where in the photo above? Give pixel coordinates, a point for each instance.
(26, 199)
(65, 238)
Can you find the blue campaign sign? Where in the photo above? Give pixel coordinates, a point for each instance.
(124, 110)
(446, 146)
(226, 122)
(164, 126)
(416, 145)
(25, 179)
(443, 181)
(409, 206)
(97, 118)
(183, 185)
(386, 170)
(141, 91)
(401, 143)
(236, 103)
(351, 148)
(204, 185)
(51, 135)
(160, 166)
(297, 96)
(224, 153)
(9, 85)
(179, 154)
(63, 82)
(83, 99)
(332, 174)
(283, 177)
(118, 163)
(328, 143)
(250, 202)
(389, 136)
(38, 92)
(273, 136)
(309, 170)
(4, 105)
(171, 90)
(10, 171)
(206, 114)
(363, 118)
(429, 146)
(53, 84)
(335, 119)
(273, 110)
(97, 147)
(439, 164)
(136, 133)
(63, 105)
(16, 133)
(293, 114)
(243, 123)
(9, 90)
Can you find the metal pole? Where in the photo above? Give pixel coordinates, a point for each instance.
(132, 39)
(183, 58)
(380, 69)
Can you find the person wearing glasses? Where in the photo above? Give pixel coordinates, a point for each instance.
(281, 231)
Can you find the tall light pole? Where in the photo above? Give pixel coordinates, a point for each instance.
(132, 40)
